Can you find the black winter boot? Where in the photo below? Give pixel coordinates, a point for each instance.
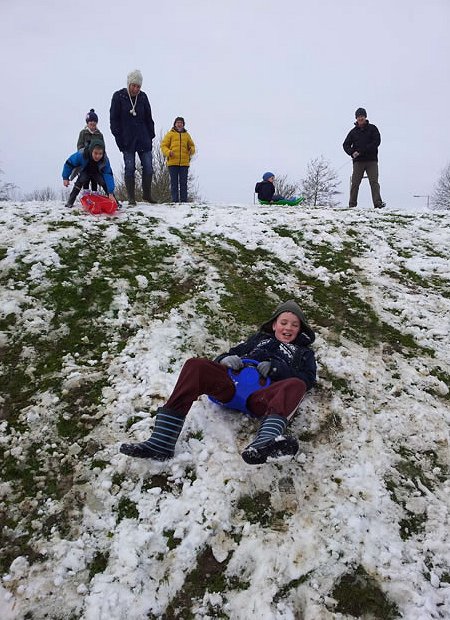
(130, 185)
(73, 194)
(147, 188)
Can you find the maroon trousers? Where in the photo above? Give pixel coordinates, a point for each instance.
(202, 376)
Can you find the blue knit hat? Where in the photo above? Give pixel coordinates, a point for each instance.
(267, 176)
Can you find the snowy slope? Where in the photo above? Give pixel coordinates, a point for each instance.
(98, 316)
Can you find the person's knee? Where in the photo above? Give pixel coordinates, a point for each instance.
(296, 385)
(194, 364)
(129, 161)
(146, 161)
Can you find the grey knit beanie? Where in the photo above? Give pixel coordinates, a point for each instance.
(135, 77)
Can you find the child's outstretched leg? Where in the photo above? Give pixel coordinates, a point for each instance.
(198, 376)
(277, 403)
(161, 445)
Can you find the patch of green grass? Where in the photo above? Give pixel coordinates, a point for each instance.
(208, 575)
(118, 479)
(98, 463)
(413, 471)
(331, 424)
(443, 376)
(412, 525)
(359, 595)
(250, 290)
(414, 280)
(172, 541)
(257, 508)
(157, 481)
(292, 585)
(127, 509)
(98, 564)
(337, 304)
(132, 420)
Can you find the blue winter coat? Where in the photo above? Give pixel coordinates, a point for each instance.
(294, 359)
(132, 133)
(80, 160)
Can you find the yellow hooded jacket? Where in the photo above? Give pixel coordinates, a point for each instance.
(181, 145)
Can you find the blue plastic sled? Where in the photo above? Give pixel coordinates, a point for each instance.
(292, 203)
(247, 380)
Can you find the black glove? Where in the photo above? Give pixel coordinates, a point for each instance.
(232, 361)
(264, 368)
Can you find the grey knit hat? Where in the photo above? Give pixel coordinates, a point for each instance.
(135, 77)
(360, 112)
(290, 306)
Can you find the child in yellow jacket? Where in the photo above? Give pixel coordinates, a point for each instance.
(178, 148)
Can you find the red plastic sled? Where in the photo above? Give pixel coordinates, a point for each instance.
(97, 204)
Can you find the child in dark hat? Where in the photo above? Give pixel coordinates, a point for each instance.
(90, 131)
(266, 188)
(90, 164)
(281, 350)
(87, 134)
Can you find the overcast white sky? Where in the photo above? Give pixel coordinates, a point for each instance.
(263, 85)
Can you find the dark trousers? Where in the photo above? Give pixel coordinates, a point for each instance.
(202, 376)
(129, 160)
(178, 183)
(93, 185)
(84, 178)
(371, 169)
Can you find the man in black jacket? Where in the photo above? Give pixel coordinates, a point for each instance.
(362, 144)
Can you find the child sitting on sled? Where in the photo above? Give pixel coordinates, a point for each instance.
(281, 349)
(91, 164)
(266, 188)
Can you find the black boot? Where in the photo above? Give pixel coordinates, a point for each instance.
(130, 185)
(73, 194)
(147, 188)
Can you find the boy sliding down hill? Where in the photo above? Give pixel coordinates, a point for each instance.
(282, 349)
(91, 164)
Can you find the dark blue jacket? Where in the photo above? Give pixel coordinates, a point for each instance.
(295, 359)
(265, 190)
(80, 160)
(365, 140)
(132, 133)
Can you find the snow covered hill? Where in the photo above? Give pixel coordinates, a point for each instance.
(98, 316)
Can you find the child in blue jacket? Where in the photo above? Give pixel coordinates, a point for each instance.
(282, 352)
(91, 164)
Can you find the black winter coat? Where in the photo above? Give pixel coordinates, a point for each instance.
(132, 133)
(295, 359)
(265, 190)
(365, 140)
